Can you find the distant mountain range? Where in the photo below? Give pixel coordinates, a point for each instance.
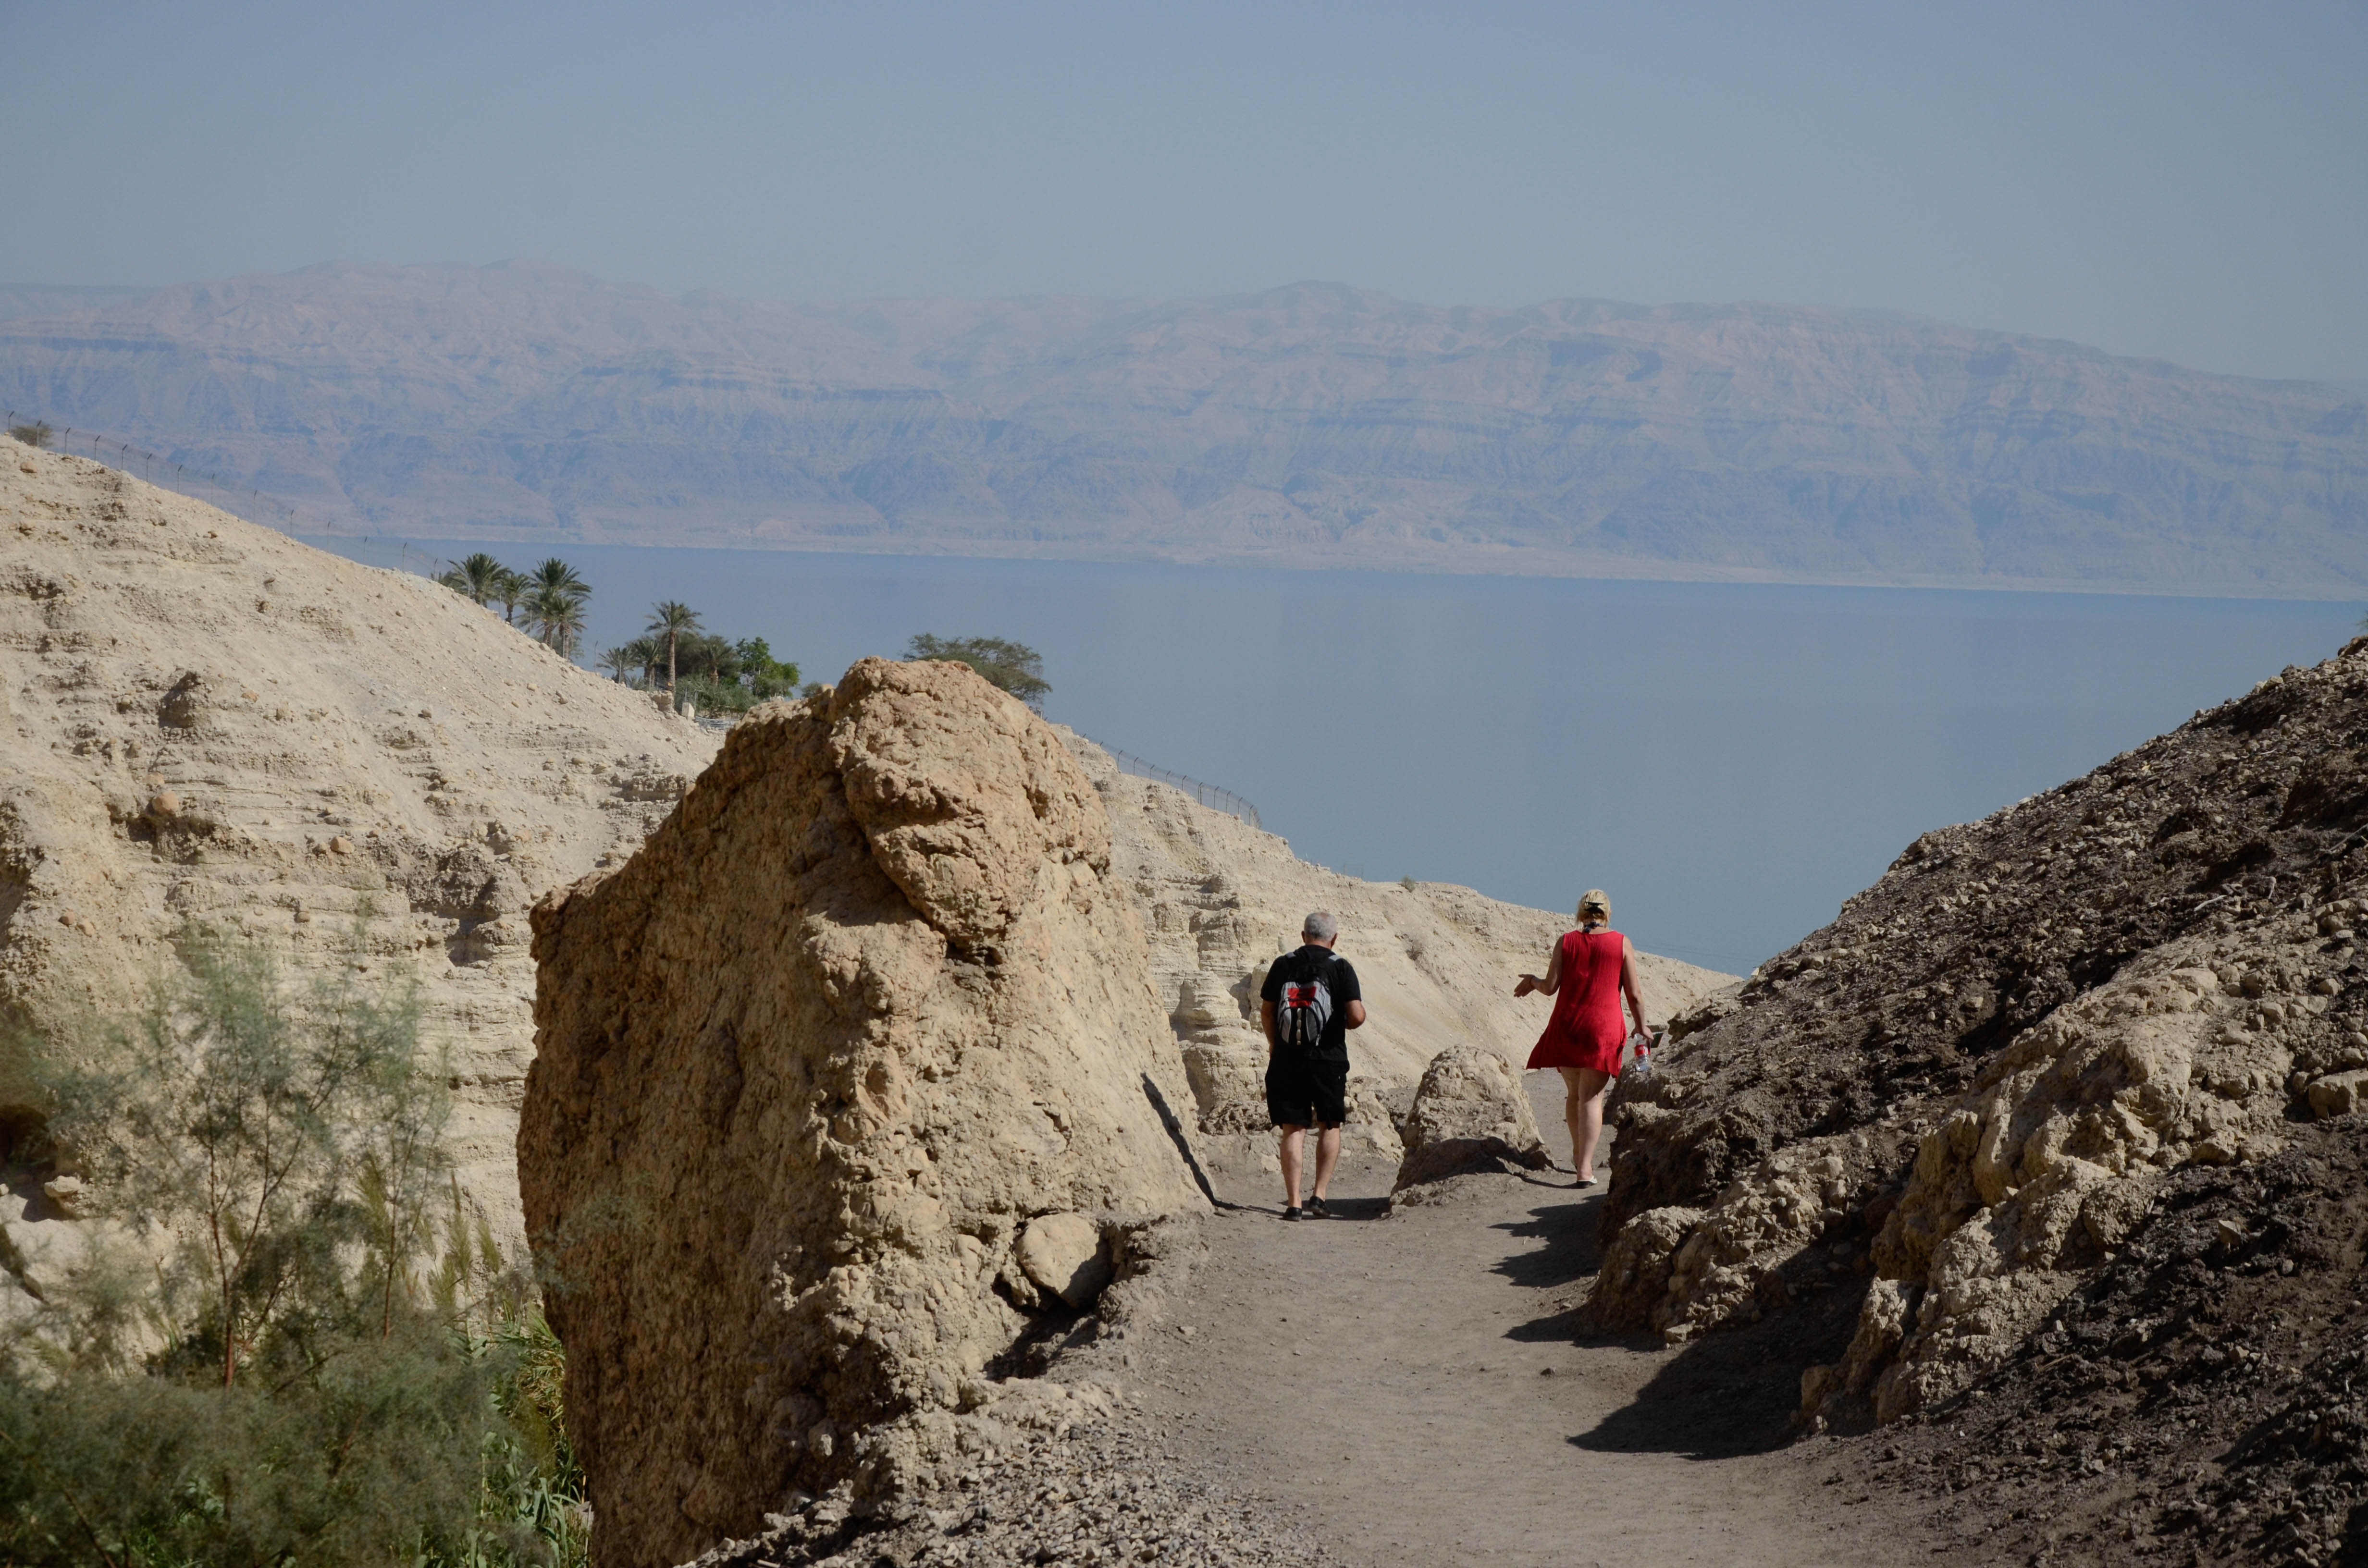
(1308, 426)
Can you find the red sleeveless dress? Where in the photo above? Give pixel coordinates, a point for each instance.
(1587, 1029)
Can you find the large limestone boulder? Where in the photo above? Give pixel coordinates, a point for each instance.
(861, 1017)
(1470, 1113)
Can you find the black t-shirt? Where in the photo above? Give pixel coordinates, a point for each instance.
(1338, 977)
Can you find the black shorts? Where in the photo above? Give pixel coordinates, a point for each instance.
(1301, 1091)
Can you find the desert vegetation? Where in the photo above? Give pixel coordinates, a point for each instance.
(278, 1335)
(38, 434)
(552, 597)
(1013, 666)
(714, 673)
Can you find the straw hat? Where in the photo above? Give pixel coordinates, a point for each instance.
(1594, 899)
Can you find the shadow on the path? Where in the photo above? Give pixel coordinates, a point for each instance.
(1361, 1208)
(1732, 1392)
(1570, 1253)
(1726, 1395)
(1735, 1390)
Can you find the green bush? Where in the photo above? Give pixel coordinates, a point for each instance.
(277, 1357)
(711, 695)
(1013, 666)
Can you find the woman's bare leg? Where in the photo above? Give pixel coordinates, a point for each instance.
(1583, 1109)
(1570, 1117)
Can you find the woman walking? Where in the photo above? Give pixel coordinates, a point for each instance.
(1591, 969)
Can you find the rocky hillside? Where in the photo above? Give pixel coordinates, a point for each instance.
(2049, 1148)
(202, 721)
(1307, 425)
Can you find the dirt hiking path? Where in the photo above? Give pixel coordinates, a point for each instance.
(1407, 1389)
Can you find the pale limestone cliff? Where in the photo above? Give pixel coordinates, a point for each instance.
(203, 720)
(836, 1079)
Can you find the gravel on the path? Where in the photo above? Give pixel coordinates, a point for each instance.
(1107, 1494)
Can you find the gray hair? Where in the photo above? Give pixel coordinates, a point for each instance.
(1320, 925)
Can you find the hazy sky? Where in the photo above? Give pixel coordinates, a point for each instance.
(2184, 181)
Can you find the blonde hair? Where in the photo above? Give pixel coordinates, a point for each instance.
(1597, 900)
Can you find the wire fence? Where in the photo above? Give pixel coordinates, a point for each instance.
(245, 501)
(1207, 794)
(199, 483)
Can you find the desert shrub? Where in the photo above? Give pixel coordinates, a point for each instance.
(1013, 666)
(36, 434)
(764, 674)
(286, 1348)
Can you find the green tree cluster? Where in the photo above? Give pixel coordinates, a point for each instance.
(547, 603)
(291, 1347)
(1013, 666)
(676, 652)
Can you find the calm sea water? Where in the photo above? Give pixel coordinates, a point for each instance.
(1729, 761)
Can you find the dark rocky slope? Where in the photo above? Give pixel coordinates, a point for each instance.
(2045, 1152)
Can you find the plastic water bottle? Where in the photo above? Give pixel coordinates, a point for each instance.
(1643, 1065)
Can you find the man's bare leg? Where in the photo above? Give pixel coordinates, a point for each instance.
(1292, 1146)
(1327, 1155)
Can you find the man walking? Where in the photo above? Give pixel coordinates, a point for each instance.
(1308, 1005)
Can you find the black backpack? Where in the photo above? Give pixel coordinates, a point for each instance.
(1304, 1004)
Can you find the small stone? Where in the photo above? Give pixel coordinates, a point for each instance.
(64, 1194)
(2339, 1094)
(163, 805)
(341, 845)
(1063, 1253)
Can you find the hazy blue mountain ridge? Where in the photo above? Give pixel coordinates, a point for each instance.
(1308, 425)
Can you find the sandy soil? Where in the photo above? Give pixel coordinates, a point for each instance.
(1408, 1389)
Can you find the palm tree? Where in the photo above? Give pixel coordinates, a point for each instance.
(477, 579)
(647, 653)
(671, 619)
(560, 578)
(622, 662)
(555, 617)
(512, 591)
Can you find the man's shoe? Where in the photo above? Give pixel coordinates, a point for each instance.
(1317, 1209)
(1293, 1213)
